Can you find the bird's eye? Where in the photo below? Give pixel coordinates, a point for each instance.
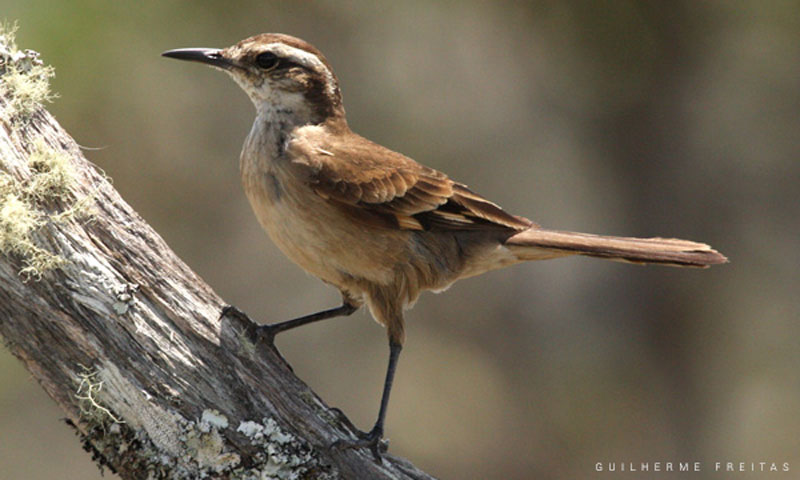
(267, 60)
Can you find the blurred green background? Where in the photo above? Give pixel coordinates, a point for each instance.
(633, 118)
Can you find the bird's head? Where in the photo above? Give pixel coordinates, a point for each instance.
(281, 74)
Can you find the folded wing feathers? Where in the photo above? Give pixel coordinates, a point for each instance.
(478, 207)
(419, 198)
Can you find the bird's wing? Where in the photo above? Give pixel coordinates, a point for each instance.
(372, 178)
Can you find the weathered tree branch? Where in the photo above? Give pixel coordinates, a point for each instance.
(127, 339)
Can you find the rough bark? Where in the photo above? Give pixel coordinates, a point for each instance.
(129, 341)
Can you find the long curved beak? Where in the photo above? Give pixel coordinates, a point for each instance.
(209, 56)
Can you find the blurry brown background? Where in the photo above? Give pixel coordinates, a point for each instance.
(662, 118)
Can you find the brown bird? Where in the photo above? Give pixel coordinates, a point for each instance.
(373, 223)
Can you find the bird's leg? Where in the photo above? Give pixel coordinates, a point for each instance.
(374, 438)
(267, 332)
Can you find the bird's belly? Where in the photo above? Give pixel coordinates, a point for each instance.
(318, 237)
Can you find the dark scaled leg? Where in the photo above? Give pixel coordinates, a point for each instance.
(374, 438)
(267, 333)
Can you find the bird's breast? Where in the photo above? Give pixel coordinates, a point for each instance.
(312, 232)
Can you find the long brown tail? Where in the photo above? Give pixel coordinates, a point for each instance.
(665, 251)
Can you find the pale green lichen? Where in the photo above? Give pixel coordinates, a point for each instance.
(204, 452)
(281, 455)
(22, 212)
(18, 221)
(211, 418)
(24, 79)
(89, 387)
(205, 445)
(52, 175)
(181, 448)
(24, 86)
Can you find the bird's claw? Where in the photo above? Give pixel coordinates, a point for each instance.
(232, 311)
(255, 332)
(373, 440)
(265, 334)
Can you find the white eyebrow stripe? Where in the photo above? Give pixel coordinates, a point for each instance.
(305, 59)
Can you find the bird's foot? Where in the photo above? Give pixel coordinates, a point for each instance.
(255, 332)
(265, 334)
(373, 440)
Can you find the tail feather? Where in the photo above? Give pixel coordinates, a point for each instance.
(665, 251)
